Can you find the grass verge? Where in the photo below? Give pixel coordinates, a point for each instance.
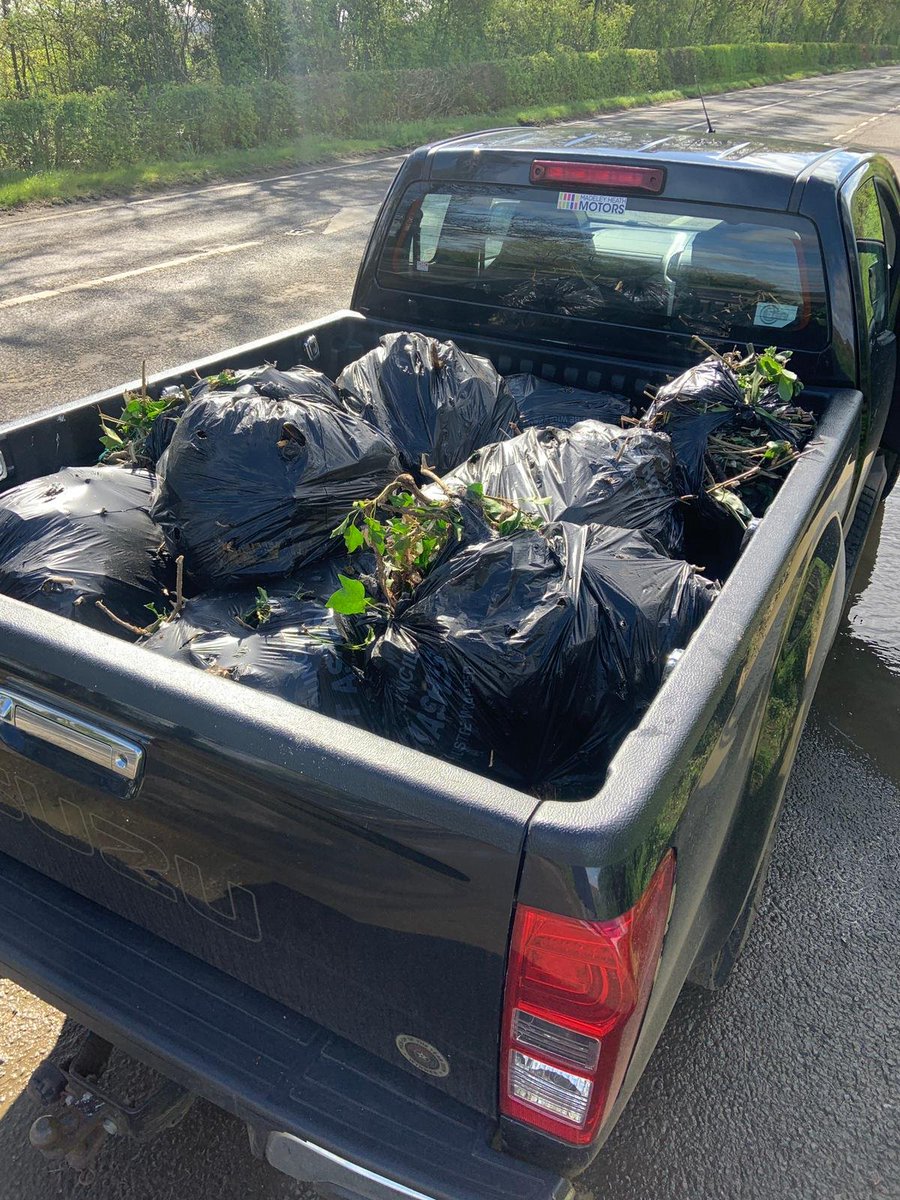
(18, 188)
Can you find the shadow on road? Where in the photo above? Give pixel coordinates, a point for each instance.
(206, 1157)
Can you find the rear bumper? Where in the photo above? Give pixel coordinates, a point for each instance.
(319, 1108)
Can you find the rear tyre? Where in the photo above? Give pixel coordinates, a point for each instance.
(713, 973)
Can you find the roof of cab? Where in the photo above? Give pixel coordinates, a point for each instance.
(774, 164)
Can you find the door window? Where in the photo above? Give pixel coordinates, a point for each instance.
(871, 248)
(891, 216)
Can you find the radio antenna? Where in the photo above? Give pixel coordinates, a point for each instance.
(710, 128)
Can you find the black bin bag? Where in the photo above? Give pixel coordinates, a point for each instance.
(690, 408)
(541, 402)
(429, 397)
(252, 487)
(530, 657)
(707, 398)
(289, 647)
(702, 401)
(320, 580)
(82, 535)
(163, 428)
(593, 472)
(301, 382)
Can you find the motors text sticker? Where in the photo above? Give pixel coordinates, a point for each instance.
(600, 205)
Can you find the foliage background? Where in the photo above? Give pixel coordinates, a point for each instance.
(88, 83)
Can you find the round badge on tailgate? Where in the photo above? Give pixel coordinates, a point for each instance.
(422, 1055)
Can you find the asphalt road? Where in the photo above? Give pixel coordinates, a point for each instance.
(786, 1084)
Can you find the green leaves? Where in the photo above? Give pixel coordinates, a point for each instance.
(125, 435)
(407, 530)
(732, 501)
(224, 379)
(261, 610)
(407, 540)
(350, 598)
(263, 606)
(764, 370)
(353, 538)
(503, 514)
(776, 453)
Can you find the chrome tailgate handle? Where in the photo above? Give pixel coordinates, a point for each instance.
(70, 733)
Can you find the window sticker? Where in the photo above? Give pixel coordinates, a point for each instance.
(601, 205)
(775, 316)
(421, 265)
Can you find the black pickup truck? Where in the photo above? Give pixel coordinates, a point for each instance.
(407, 979)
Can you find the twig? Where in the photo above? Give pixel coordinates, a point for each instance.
(408, 482)
(381, 575)
(124, 624)
(706, 346)
(179, 587)
(429, 474)
(755, 470)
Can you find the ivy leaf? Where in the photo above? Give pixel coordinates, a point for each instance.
(341, 529)
(732, 501)
(376, 534)
(350, 597)
(769, 365)
(775, 452)
(110, 438)
(426, 548)
(786, 387)
(353, 538)
(129, 430)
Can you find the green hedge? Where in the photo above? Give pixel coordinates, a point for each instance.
(107, 128)
(360, 103)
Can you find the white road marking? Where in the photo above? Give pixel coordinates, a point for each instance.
(213, 187)
(81, 285)
(792, 98)
(862, 124)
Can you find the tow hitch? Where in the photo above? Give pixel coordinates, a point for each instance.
(87, 1115)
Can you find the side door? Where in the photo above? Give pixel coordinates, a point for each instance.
(888, 189)
(873, 252)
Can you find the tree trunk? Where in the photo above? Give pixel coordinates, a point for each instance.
(5, 10)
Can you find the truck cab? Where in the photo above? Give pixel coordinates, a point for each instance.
(735, 239)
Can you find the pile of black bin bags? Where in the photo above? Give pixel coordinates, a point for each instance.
(525, 657)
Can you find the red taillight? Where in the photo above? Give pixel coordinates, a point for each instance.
(605, 175)
(576, 992)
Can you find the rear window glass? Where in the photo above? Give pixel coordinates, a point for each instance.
(658, 264)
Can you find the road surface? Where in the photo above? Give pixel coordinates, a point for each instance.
(785, 1085)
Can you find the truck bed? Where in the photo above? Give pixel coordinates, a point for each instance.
(361, 886)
